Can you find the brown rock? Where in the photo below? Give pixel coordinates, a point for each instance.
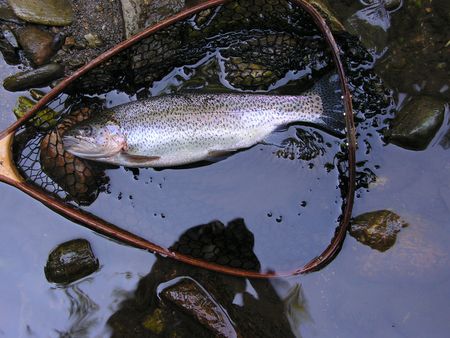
(377, 229)
(195, 302)
(37, 44)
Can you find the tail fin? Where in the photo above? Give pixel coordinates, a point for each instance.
(328, 88)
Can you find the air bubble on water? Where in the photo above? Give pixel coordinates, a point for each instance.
(160, 186)
(163, 216)
(130, 197)
(279, 219)
(119, 197)
(303, 203)
(269, 214)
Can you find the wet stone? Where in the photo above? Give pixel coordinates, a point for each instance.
(377, 229)
(37, 44)
(45, 12)
(70, 261)
(416, 123)
(9, 52)
(6, 12)
(188, 296)
(39, 77)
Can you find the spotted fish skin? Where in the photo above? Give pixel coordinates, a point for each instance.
(175, 130)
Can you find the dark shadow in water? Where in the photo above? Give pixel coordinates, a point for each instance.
(178, 300)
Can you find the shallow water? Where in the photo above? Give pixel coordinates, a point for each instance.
(399, 293)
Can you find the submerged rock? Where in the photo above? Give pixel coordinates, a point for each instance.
(45, 12)
(39, 45)
(327, 13)
(155, 322)
(70, 261)
(39, 77)
(416, 123)
(377, 229)
(196, 303)
(419, 255)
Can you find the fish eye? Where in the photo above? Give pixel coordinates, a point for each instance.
(86, 131)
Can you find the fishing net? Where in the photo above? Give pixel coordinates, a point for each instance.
(221, 46)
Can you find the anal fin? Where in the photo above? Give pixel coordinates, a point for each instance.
(139, 159)
(220, 153)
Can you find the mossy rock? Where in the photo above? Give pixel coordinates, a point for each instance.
(416, 123)
(377, 229)
(70, 261)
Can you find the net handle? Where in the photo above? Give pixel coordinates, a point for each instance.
(124, 236)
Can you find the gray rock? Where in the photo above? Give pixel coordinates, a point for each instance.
(377, 229)
(416, 123)
(38, 45)
(45, 12)
(70, 261)
(6, 12)
(39, 77)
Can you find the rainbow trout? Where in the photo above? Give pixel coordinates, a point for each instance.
(175, 130)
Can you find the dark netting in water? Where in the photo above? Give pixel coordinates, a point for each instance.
(262, 41)
(254, 46)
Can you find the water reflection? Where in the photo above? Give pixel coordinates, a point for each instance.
(82, 311)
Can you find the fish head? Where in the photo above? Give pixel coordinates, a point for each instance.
(94, 139)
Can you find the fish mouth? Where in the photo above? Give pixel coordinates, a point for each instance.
(81, 147)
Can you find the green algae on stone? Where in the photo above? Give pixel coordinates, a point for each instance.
(70, 261)
(155, 321)
(44, 12)
(377, 229)
(416, 123)
(39, 77)
(45, 118)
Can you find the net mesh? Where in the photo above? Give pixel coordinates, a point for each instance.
(248, 46)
